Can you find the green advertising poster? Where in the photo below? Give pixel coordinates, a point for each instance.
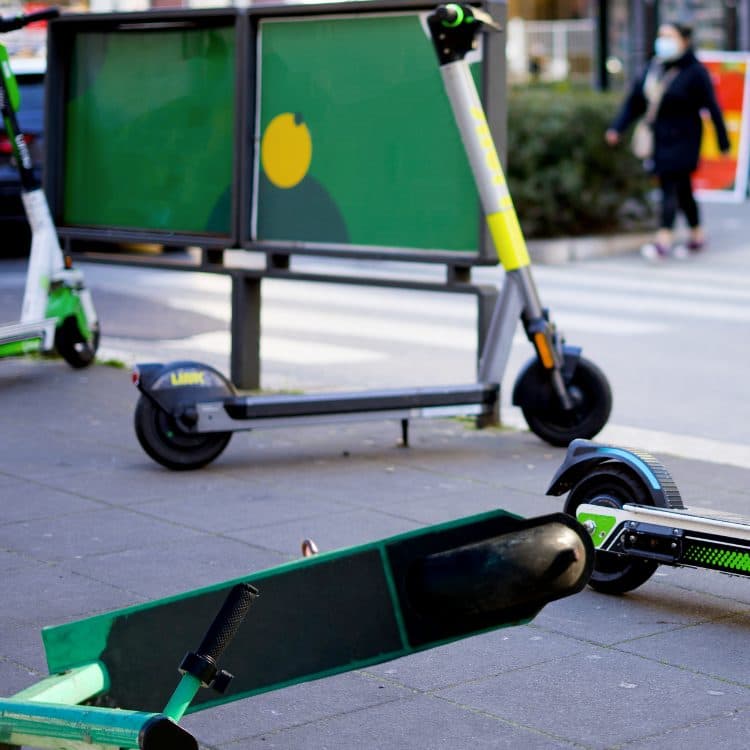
(357, 142)
(149, 130)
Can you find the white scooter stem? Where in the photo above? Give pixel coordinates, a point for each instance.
(45, 258)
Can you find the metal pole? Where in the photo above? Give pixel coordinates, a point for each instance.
(602, 45)
(245, 356)
(643, 25)
(731, 24)
(743, 25)
(494, 79)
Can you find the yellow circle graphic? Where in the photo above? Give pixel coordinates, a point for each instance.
(286, 150)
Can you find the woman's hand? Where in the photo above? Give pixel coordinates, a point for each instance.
(612, 137)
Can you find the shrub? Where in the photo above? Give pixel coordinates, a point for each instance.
(564, 179)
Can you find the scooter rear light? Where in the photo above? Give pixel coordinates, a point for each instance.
(6, 147)
(136, 376)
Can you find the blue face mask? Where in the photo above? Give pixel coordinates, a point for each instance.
(667, 48)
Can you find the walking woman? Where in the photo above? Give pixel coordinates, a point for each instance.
(670, 96)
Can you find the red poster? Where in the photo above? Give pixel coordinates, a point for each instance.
(720, 176)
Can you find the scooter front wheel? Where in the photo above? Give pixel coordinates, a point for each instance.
(592, 398)
(73, 346)
(612, 487)
(161, 436)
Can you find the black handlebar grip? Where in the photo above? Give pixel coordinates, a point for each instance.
(18, 22)
(41, 15)
(227, 622)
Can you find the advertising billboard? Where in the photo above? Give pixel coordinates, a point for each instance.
(724, 177)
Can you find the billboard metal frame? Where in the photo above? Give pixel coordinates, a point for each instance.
(246, 22)
(62, 34)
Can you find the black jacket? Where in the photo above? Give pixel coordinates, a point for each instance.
(678, 126)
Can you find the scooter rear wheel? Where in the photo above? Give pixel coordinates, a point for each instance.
(592, 397)
(161, 436)
(73, 347)
(613, 487)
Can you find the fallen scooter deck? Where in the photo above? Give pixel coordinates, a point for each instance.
(341, 610)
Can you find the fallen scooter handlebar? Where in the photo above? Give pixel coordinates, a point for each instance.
(203, 663)
(18, 22)
(227, 621)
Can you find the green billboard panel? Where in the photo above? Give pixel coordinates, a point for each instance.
(149, 129)
(356, 143)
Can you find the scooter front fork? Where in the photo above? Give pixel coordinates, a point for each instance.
(519, 299)
(68, 297)
(543, 335)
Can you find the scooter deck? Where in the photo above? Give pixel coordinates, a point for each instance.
(42, 330)
(696, 537)
(253, 412)
(339, 611)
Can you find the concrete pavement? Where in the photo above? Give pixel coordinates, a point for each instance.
(723, 223)
(88, 523)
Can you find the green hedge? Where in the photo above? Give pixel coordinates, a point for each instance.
(564, 179)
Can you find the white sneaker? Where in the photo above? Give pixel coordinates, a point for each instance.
(680, 252)
(653, 251)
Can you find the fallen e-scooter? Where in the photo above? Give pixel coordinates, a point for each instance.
(187, 411)
(57, 312)
(630, 505)
(112, 676)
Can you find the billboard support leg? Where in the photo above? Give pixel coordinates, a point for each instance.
(245, 331)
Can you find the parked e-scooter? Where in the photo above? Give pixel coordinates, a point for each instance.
(188, 411)
(57, 312)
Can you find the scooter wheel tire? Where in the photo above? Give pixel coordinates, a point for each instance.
(592, 396)
(73, 347)
(161, 436)
(613, 487)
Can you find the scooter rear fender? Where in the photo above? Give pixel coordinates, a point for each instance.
(176, 387)
(584, 456)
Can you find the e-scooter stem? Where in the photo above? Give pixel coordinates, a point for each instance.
(454, 30)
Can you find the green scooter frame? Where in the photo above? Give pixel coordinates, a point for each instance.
(632, 508)
(315, 617)
(57, 311)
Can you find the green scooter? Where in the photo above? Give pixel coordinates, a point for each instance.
(631, 507)
(57, 312)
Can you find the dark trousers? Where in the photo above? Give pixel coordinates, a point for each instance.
(677, 192)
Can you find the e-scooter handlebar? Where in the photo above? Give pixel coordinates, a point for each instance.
(199, 669)
(452, 15)
(202, 664)
(18, 22)
(227, 621)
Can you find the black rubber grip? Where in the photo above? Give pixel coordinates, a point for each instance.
(18, 22)
(41, 15)
(227, 622)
